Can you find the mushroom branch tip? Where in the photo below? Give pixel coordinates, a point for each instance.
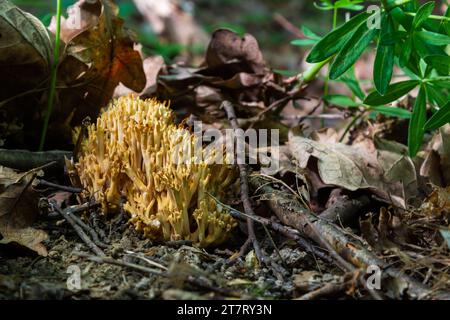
(136, 152)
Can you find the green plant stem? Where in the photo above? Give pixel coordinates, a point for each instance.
(326, 86)
(433, 17)
(311, 73)
(52, 92)
(351, 124)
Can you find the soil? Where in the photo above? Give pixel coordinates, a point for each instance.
(24, 275)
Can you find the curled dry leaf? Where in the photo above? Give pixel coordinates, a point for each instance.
(390, 175)
(106, 57)
(233, 70)
(437, 203)
(18, 210)
(436, 166)
(97, 55)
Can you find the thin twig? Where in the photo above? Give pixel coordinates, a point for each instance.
(78, 229)
(87, 229)
(286, 231)
(49, 184)
(190, 279)
(229, 109)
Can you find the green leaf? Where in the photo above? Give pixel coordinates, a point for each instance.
(303, 42)
(352, 83)
(286, 73)
(28, 27)
(417, 122)
(335, 40)
(394, 92)
(309, 33)
(422, 14)
(393, 112)
(395, 3)
(384, 60)
(352, 50)
(340, 4)
(435, 95)
(406, 52)
(433, 38)
(440, 118)
(341, 101)
(393, 38)
(439, 62)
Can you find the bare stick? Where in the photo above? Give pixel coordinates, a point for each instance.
(91, 245)
(86, 228)
(292, 213)
(45, 183)
(26, 160)
(229, 109)
(327, 290)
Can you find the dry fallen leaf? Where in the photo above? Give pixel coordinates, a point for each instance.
(96, 55)
(106, 57)
(25, 51)
(390, 175)
(18, 210)
(437, 162)
(233, 70)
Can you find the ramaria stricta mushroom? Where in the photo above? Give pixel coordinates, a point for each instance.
(136, 152)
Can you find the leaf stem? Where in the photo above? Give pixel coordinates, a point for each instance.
(52, 92)
(433, 17)
(313, 70)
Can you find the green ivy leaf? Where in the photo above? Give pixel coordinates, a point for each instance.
(352, 50)
(417, 123)
(440, 118)
(333, 42)
(384, 60)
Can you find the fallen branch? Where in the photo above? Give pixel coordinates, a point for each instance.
(294, 214)
(25, 160)
(286, 231)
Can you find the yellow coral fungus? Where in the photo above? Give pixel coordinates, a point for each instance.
(136, 151)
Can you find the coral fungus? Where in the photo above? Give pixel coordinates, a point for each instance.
(135, 151)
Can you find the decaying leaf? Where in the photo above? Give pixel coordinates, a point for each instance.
(233, 70)
(18, 210)
(106, 57)
(97, 54)
(25, 50)
(437, 203)
(390, 175)
(437, 162)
